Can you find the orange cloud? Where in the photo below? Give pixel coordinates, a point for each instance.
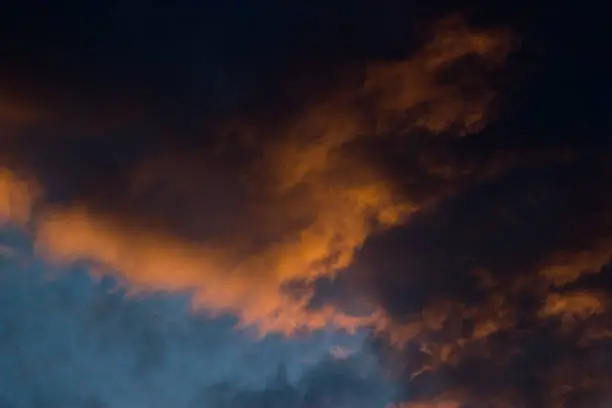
(566, 267)
(318, 202)
(576, 304)
(149, 262)
(17, 197)
(435, 330)
(14, 112)
(427, 404)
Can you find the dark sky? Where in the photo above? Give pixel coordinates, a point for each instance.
(305, 204)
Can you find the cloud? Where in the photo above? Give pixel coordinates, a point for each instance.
(80, 340)
(373, 198)
(565, 268)
(486, 314)
(428, 404)
(17, 196)
(239, 225)
(574, 304)
(15, 113)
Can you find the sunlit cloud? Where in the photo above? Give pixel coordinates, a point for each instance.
(317, 202)
(576, 304)
(17, 196)
(566, 267)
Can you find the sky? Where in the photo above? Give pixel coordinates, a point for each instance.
(365, 204)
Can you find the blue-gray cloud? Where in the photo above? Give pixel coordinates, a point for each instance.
(70, 340)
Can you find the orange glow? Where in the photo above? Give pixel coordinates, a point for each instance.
(158, 263)
(16, 198)
(13, 112)
(427, 404)
(318, 200)
(563, 268)
(579, 304)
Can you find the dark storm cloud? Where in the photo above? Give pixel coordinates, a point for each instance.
(140, 79)
(531, 211)
(491, 288)
(276, 199)
(179, 66)
(244, 152)
(501, 290)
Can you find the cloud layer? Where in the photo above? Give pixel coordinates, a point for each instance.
(394, 225)
(72, 340)
(311, 199)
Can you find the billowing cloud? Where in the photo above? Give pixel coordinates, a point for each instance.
(565, 268)
(494, 330)
(307, 200)
(83, 341)
(574, 305)
(398, 220)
